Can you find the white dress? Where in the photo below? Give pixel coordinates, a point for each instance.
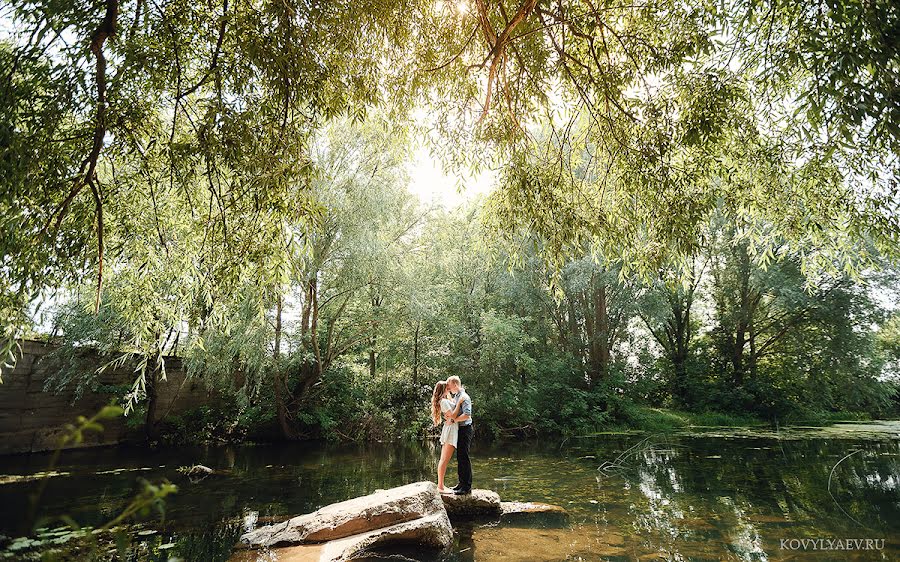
(450, 433)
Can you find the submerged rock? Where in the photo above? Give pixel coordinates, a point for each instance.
(379, 510)
(479, 502)
(512, 512)
(512, 508)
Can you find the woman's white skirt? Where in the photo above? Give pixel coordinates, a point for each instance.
(450, 433)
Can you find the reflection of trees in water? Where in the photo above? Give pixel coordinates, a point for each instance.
(661, 514)
(690, 498)
(754, 492)
(310, 479)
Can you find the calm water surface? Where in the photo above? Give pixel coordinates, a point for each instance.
(724, 495)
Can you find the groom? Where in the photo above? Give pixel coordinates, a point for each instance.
(464, 419)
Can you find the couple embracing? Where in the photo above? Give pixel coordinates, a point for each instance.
(451, 401)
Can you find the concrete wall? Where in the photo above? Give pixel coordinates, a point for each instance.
(33, 420)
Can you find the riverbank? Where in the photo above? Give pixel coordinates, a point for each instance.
(665, 419)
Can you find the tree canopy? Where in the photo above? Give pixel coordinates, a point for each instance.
(195, 168)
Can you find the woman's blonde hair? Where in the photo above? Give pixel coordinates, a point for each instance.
(439, 390)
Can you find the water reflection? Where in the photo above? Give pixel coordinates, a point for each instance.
(676, 498)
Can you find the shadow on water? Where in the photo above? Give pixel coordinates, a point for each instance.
(684, 497)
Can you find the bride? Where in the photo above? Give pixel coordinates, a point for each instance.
(440, 405)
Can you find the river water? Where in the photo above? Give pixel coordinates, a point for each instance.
(714, 494)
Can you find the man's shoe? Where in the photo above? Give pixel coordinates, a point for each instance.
(462, 492)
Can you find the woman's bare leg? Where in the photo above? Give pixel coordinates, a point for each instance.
(446, 453)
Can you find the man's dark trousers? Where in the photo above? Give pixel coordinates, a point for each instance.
(463, 464)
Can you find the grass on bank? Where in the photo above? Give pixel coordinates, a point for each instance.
(645, 418)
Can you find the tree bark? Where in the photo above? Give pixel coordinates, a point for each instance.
(277, 350)
(597, 331)
(602, 325)
(152, 401)
(680, 340)
(376, 301)
(281, 405)
(415, 362)
(744, 317)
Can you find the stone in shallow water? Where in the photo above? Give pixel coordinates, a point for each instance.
(479, 502)
(524, 544)
(547, 515)
(299, 553)
(512, 508)
(431, 532)
(382, 509)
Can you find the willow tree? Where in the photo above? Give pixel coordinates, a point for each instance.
(625, 126)
(136, 133)
(617, 125)
(344, 274)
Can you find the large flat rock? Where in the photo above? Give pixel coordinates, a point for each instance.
(378, 511)
(479, 502)
(432, 531)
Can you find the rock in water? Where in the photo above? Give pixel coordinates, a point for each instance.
(510, 508)
(196, 472)
(432, 531)
(415, 514)
(545, 513)
(378, 511)
(479, 502)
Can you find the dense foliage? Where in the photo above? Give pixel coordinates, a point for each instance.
(694, 201)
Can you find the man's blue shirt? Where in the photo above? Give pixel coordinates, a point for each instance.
(466, 407)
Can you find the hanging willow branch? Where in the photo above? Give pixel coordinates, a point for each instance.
(87, 173)
(499, 43)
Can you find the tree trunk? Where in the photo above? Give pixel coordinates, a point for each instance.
(277, 352)
(415, 362)
(376, 301)
(744, 317)
(597, 328)
(307, 306)
(602, 326)
(680, 342)
(577, 344)
(752, 357)
(590, 337)
(737, 356)
(281, 406)
(152, 395)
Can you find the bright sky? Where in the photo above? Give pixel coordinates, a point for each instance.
(435, 185)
